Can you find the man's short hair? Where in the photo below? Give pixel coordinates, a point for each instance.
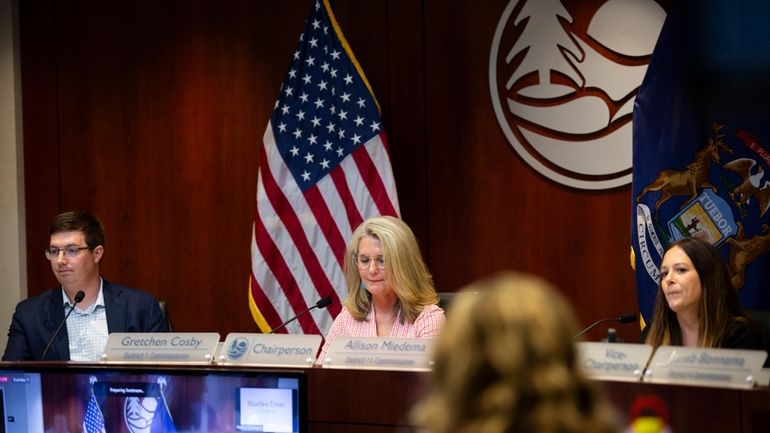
(79, 221)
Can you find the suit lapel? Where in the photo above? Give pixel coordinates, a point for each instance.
(54, 315)
(115, 306)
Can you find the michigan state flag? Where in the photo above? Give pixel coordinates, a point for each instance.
(701, 162)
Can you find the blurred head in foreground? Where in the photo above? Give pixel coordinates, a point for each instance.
(506, 362)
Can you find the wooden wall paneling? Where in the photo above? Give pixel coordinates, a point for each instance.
(163, 108)
(452, 62)
(406, 114)
(37, 27)
(488, 210)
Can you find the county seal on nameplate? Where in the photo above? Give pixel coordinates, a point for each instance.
(295, 350)
(161, 348)
(380, 353)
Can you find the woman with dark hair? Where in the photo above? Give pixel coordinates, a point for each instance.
(696, 306)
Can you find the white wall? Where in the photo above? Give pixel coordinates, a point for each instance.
(13, 264)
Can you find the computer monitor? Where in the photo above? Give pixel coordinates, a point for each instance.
(96, 398)
(2, 410)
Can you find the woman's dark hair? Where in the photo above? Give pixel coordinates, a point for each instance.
(718, 303)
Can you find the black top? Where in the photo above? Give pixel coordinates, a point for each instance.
(741, 334)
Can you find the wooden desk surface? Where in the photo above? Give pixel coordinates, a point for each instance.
(379, 401)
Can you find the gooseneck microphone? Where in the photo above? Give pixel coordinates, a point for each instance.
(323, 303)
(78, 299)
(623, 318)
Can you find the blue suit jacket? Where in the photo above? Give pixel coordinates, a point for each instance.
(36, 319)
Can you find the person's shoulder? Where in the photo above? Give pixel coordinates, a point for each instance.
(742, 333)
(37, 301)
(740, 325)
(125, 291)
(429, 322)
(344, 313)
(431, 309)
(430, 314)
(341, 323)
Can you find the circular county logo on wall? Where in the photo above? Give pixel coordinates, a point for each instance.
(563, 77)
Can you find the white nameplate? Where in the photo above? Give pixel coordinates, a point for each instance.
(270, 349)
(156, 348)
(380, 353)
(614, 361)
(732, 368)
(763, 377)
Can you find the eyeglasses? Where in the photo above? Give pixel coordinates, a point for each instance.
(364, 261)
(69, 252)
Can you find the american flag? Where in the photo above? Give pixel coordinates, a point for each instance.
(93, 422)
(323, 169)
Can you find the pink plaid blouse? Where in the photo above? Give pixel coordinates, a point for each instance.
(427, 325)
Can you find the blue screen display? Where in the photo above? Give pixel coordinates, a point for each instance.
(150, 400)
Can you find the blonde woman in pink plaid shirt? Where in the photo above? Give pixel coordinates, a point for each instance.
(390, 291)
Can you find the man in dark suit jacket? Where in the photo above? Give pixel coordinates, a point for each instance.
(76, 248)
(36, 319)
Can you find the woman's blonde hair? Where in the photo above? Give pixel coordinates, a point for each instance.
(406, 271)
(506, 362)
